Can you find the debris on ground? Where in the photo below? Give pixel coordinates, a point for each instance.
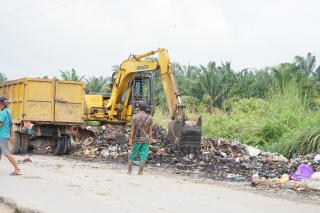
(219, 159)
(304, 172)
(26, 159)
(316, 176)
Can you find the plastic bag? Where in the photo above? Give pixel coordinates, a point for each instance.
(303, 172)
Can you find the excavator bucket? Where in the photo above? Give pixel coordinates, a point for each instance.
(185, 135)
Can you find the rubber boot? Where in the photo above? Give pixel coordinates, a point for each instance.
(129, 167)
(142, 164)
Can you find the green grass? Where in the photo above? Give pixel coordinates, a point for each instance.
(271, 124)
(301, 142)
(161, 118)
(282, 123)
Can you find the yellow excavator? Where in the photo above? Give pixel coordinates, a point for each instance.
(127, 88)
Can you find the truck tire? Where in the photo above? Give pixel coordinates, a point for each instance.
(15, 147)
(59, 146)
(67, 148)
(24, 143)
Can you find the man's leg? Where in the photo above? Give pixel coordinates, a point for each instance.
(14, 163)
(132, 157)
(5, 151)
(144, 152)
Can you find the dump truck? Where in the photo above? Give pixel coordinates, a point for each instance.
(44, 112)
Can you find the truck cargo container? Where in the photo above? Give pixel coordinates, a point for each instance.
(44, 112)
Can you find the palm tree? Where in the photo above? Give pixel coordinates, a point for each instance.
(210, 79)
(307, 64)
(98, 84)
(286, 73)
(71, 75)
(3, 78)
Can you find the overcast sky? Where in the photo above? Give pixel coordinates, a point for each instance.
(41, 37)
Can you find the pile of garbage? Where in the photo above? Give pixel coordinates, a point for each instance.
(219, 159)
(306, 176)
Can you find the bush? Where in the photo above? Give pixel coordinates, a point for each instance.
(277, 123)
(270, 124)
(301, 142)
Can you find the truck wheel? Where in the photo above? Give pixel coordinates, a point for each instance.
(59, 146)
(67, 147)
(24, 143)
(15, 147)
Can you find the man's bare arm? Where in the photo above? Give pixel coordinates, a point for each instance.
(150, 133)
(131, 135)
(11, 135)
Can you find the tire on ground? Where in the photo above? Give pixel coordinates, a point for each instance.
(59, 146)
(67, 148)
(15, 147)
(24, 143)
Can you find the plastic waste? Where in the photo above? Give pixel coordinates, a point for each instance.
(284, 179)
(136, 163)
(316, 176)
(253, 151)
(317, 157)
(255, 177)
(287, 185)
(303, 172)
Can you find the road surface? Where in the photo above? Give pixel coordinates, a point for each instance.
(56, 184)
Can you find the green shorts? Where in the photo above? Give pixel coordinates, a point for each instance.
(141, 149)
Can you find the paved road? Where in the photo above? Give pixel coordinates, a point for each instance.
(54, 184)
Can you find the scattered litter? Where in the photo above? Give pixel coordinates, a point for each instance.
(315, 176)
(317, 157)
(218, 159)
(253, 151)
(303, 172)
(27, 160)
(284, 179)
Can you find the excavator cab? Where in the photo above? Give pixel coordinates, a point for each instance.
(143, 90)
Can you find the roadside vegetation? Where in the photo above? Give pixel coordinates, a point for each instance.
(274, 108)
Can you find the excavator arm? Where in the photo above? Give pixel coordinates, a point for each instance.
(183, 134)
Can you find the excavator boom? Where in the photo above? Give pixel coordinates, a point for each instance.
(182, 133)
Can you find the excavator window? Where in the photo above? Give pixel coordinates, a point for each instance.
(143, 90)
